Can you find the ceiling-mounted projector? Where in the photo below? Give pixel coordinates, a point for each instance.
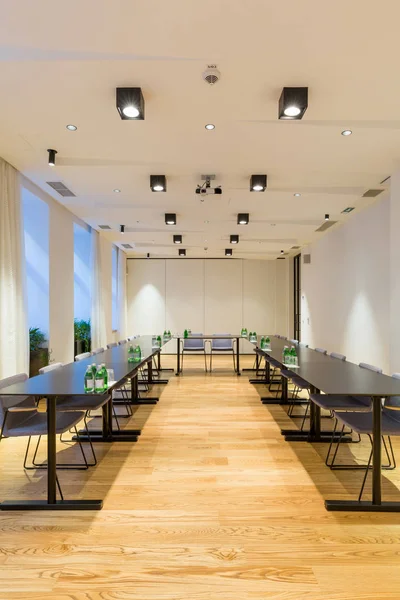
(205, 189)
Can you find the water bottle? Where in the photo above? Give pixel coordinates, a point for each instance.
(94, 370)
(169, 335)
(185, 334)
(99, 381)
(89, 380)
(268, 343)
(285, 355)
(159, 341)
(137, 354)
(131, 353)
(105, 376)
(262, 343)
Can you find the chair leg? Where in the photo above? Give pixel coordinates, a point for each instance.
(205, 360)
(365, 476)
(211, 355)
(233, 358)
(305, 417)
(331, 444)
(59, 488)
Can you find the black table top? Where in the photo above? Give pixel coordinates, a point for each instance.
(69, 379)
(212, 336)
(334, 376)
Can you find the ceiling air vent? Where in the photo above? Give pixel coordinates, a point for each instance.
(127, 246)
(386, 180)
(61, 189)
(307, 259)
(281, 258)
(104, 227)
(348, 209)
(326, 225)
(295, 248)
(372, 193)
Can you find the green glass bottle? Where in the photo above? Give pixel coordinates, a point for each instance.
(105, 376)
(131, 353)
(262, 343)
(89, 380)
(159, 341)
(169, 334)
(137, 354)
(185, 334)
(99, 381)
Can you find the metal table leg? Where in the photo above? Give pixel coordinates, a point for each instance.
(178, 356)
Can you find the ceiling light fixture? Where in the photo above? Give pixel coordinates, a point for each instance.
(52, 157)
(170, 218)
(177, 239)
(293, 103)
(234, 239)
(158, 183)
(71, 127)
(297, 194)
(148, 255)
(243, 219)
(326, 217)
(130, 104)
(210, 126)
(282, 252)
(347, 132)
(228, 252)
(116, 190)
(122, 228)
(182, 252)
(258, 183)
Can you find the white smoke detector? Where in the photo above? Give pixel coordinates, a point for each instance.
(211, 75)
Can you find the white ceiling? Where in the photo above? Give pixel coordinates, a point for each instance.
(61, 62)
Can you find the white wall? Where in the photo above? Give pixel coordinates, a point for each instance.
(345, 290)
(215, 295)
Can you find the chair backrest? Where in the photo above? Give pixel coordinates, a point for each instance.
(131, 338)
(97, 351)
(294, 341)
(7, 402)
(370, 368)
(191, 344)
(303, 344)
(122, 342)
(219, 344)
(50, 368)
(392, 403)
(338, 356)
(112, 345)
(321, 350)
(82, 356)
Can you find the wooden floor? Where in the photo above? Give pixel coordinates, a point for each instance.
(211, 503)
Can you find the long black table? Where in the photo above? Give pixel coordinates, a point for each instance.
(69, 381)
(334, 376)
(210, 338)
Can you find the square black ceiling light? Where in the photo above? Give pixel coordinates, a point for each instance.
(293, 103)
(228, 251)
(243, 219)
(158, 183)
(170, 218)
(234, 239)
(130, 104)
(258, 183)
(177, 239)
(182, 252)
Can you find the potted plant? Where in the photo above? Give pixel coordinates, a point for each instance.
(82, 336)
(38, 352)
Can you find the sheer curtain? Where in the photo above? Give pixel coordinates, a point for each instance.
(122, 293)
(14, 335)
(98, 315)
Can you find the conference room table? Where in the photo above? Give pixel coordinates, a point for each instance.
(69, 381)
(204, 338)
(334, 376)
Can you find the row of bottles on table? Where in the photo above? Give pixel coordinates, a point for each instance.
(96, 379)
(252, 336)
(134, 353)
(186, 333)
(290, 356)
(265, 343)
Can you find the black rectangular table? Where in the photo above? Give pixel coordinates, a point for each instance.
(69, 381)
(206, 337)
(334, 376)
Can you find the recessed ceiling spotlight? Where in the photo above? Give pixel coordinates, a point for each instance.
(282, 252)
(148, 255)
(71, 127)
(116, 190)
(234, 239)
(243, 219)
(293, 103)
(258, 183)
(158, 183)
(326, 217)
(297, 194)
(210, 126)
(347, 132)
(228, 252)
(177, 239)
(122, 228)
(130, 104)
(170, 218)
(52, 157)
(206, 222)
(182, 252)
(273, 224)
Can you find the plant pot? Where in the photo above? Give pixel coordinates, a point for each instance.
(37, 360)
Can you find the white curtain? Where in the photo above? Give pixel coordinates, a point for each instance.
(98, 313)
(14, 334)
(122, 294)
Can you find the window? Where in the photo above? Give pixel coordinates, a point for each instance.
(36, 239)
(297, 296)
(114, 289)
(82, 274)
